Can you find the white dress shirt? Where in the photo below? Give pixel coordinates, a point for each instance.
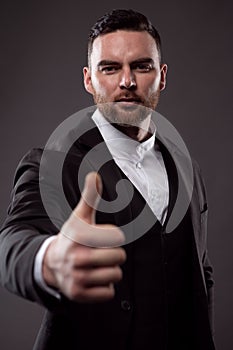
(141, 162)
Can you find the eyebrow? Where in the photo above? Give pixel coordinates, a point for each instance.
(106, 63)
(140, 60)
(144, 60)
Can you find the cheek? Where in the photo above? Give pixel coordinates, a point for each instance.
(149, 84)
(104, 85)
(155, 85)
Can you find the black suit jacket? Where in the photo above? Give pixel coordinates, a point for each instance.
(28, 225)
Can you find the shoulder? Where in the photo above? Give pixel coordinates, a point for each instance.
(29, 163)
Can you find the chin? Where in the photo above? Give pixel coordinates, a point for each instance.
(127, 115)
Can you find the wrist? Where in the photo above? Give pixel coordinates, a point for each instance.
(47, 270)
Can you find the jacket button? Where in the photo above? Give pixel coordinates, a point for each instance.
(125, 305)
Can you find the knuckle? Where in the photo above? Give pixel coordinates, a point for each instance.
(75, 292)
(71, 258)
(83, 256)
(118, 273)
(111, 292)
(81, 278)
(122, 255)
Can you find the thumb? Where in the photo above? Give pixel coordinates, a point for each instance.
(90, 197)
(81, 227)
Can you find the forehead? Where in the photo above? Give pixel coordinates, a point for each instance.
(124, 45)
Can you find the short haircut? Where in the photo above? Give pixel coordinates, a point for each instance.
(122, 19)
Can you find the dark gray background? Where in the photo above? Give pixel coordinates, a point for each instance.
(43, 50)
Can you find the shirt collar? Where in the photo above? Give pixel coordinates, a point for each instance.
(119, 144)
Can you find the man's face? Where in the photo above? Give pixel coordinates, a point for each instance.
(125, 69)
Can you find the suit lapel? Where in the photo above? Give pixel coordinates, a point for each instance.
(186, 197)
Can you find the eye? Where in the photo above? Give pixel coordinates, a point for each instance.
(109, 69)
(143, 67)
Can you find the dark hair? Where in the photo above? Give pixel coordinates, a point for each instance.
(122, 19)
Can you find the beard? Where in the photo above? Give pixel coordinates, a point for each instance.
(127, 115)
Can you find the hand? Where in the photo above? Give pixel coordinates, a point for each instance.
(82, 272)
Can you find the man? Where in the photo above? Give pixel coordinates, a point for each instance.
(154, 292)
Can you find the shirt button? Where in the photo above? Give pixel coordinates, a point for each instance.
(139, 165)
(125, 305)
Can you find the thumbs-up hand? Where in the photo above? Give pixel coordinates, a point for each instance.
(82, 262)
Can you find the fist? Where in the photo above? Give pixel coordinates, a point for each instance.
(83, 261)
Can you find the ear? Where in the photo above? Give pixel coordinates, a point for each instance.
(163, 71)
(87, 80)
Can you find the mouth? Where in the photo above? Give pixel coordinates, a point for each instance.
(129, 102)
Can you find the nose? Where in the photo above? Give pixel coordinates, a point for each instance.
(127, 80)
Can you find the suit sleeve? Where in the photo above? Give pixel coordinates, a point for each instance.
(23, 232)
(206, 264)
(208, 273)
